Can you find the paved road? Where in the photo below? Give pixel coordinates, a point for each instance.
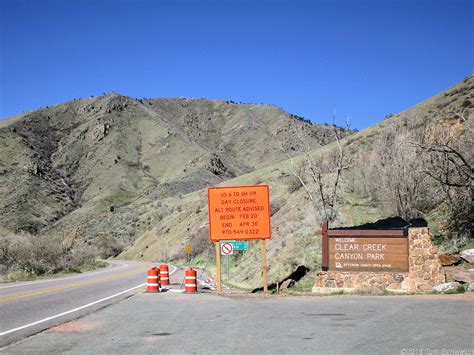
(210, 324)
(30, 307)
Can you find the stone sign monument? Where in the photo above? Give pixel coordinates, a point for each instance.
(395, 259)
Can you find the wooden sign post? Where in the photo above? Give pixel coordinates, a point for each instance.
(264, 266)
(218, 267)
(239, 213)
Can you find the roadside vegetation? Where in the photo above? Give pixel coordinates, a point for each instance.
(423, 172)
(26, 257)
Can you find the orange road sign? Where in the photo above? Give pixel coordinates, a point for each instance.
(239, 212)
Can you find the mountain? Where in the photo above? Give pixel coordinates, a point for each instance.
(101, 153)
(294, 220)
(137, 170)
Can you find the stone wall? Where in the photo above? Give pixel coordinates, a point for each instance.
(425, 271)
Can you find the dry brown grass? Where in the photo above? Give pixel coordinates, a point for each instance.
(40, 255)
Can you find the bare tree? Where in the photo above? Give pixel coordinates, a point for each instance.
(395, 173)
(413, 172)
(319, 175)
(447, 154)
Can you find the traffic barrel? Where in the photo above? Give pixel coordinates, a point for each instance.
(190, 284)
(153, 280)
(164, 274)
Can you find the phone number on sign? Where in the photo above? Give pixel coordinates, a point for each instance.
(240, 231)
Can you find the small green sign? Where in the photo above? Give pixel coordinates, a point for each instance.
(237, 244)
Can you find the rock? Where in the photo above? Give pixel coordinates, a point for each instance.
(330, 284)
(216, 166)
(449, 286)
(100, 131)
(398, 277)
(468, 255)
(287, 284)
(448, 260)
(470, 288)
(464, 276)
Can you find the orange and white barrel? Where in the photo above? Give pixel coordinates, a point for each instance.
(164, 274)
(190, 282)
(153, 280)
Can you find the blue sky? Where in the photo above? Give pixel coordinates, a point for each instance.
(364, 59)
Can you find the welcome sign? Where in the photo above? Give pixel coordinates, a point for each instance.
(364, 250)
(359, 253)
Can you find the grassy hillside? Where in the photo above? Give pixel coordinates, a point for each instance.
(294, 219)
(138, 170)
(83, 165)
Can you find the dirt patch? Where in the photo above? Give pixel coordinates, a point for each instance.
(74, 327)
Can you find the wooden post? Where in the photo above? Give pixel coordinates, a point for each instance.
(325, 247)
(264, 266)
(218, 266)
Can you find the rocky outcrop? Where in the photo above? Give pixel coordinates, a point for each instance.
(470, 288)
(466, 276)
(448, 260)
(99, 131)
(448, 287)
(216, 166)
(468, 255)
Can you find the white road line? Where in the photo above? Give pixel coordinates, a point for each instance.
(76, 309)
(67, 278)
(70, 311)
